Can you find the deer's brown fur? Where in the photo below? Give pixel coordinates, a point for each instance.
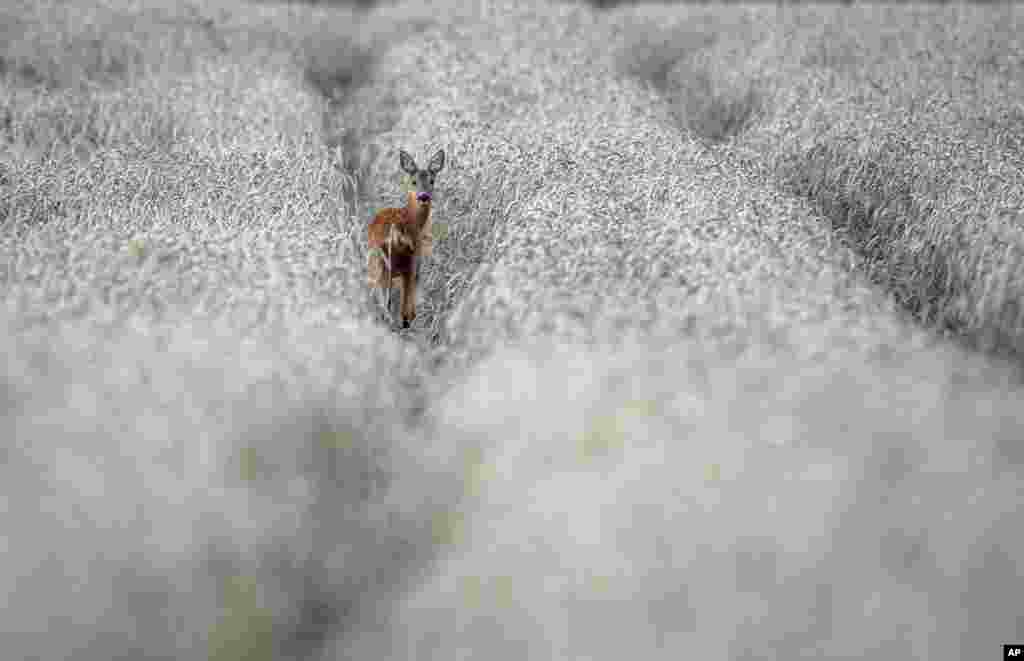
(398, 237)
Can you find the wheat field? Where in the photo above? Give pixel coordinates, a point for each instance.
(718, 355)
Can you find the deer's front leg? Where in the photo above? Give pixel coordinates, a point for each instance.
(408, 302)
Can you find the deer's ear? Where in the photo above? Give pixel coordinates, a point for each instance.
(437, 162)
(408, 165)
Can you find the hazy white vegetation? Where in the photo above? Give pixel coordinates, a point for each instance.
(718, 359)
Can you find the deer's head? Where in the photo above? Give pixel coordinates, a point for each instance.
(421, 181)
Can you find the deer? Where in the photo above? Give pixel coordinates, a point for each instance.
(398, 237)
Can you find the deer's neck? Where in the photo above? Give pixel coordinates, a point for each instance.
(417, 212)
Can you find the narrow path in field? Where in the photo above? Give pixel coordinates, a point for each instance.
(899, 141)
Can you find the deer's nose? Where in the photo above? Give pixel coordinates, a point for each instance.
(423, 197)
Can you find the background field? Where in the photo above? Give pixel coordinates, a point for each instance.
(720, 357)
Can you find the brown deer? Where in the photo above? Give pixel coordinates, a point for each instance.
(397, 237)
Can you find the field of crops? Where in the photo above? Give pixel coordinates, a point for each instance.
(718, 353)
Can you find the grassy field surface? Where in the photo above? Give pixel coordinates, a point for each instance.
(719, 356)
